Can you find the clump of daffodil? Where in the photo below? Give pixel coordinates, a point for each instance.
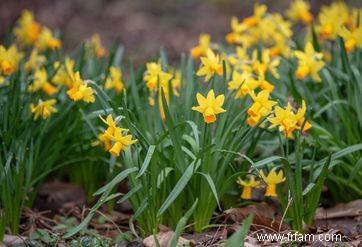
(114, 80)
(80, 90)
(40, 82)
(272, 180)
(43, 109)
(248, 186)
(260, 108)
(64, 72)
(209, 106)
(309, 63)
(299, 11)
(287, 121)
(46, 40)
(27, 29)
(9, 59)
(95, 45)
(35, 61)
(352, 38)
(211, 64)
(115, 138)
(202, 47)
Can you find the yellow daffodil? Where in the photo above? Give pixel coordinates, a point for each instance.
(237, 28)
(209, 106)
(154, 74)
(121, 141)
(309, 63)
(27, 30)
(242, 83)
(299, 11)
(202, 47)
(352, 39)
(46, 40)
(259, 12)
(211, 64)
(43, 109)
(247, 186)
(40, 82)
(35, 61)
(285, 119)
(114, 80)
(331, 19)
(9, 59)
(99, 50)
(272, 180)
(261, 107)
(64, 73)
(80, 90)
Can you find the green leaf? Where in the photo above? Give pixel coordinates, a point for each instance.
(147, 160)
(212, 187)
(179, 187)
(181, 224)
(116, 180)
(238, 238)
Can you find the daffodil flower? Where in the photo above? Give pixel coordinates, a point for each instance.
(46, 40)
(288, 121)
(96, 44)
(9, 59)
(261, 107)
(64, 73)
(247, 186)
(43, 109)
(40, 82)
(202, 47)
(114, 79)
(272, 180)
(121, 141)
(242, 83)
(27, 29)
(309, 62)
(80, 90)
(299, 11)
(209, 106)
(211, 64)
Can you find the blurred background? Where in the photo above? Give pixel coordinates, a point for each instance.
(142, 26)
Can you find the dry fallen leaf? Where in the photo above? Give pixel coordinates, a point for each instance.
(351, 209)
(164, 238)
(264, 216)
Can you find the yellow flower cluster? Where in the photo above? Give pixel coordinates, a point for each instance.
(271, 180)
(270, 29)
(288, 121)
(29, 32)
(115, 138)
